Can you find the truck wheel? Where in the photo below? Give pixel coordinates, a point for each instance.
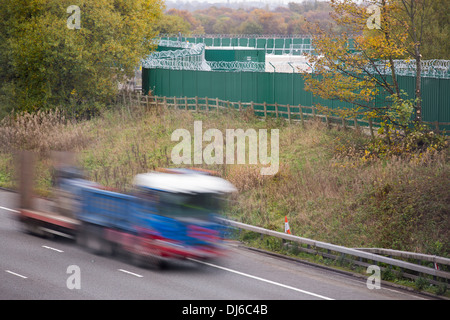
(91, 238)
(32, 227)
(156, 262)
(138, 260)
(144, 260)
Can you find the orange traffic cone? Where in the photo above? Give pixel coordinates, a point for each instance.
(286, 226)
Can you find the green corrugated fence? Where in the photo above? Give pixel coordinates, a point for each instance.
(282, 88)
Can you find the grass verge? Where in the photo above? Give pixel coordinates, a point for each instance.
(397, 203)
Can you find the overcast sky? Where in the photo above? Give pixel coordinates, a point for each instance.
(218, 1)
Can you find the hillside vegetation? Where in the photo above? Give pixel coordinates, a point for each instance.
(325, 186)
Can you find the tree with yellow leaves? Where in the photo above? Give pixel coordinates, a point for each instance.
(360, 66)
(352, 66)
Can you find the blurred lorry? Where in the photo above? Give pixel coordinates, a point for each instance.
(170, 214)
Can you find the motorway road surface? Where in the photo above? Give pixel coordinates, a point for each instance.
(39, 268)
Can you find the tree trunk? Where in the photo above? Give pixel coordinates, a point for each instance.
(391, 61)
(418, 106)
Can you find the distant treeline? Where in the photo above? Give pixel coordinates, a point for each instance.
(241, 18)
(283, 20)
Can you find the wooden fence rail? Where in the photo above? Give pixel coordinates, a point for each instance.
(297, 113)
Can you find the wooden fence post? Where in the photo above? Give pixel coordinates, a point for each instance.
(289, 113)
(371, 128)
(301, 115)
(265, 110)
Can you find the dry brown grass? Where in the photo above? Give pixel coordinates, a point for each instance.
(395, 203)
(41, 132)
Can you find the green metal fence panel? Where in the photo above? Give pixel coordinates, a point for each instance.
(256, 55)
(431, 96)
(283, 88)
(248, 86)
(261, 43)
(208, 41)
(444, 102)
(436, 101)
(217, 85)
(226, 42)
(265, 87)
(219, 55)
(250, 55)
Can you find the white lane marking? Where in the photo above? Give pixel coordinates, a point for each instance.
(132, 273)
(264, 280)
(54, 249)
(16, 274)
(8, 209)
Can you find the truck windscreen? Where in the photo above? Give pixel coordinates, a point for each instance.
(190, 206)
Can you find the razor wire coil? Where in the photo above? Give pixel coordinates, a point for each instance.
(191, 56)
